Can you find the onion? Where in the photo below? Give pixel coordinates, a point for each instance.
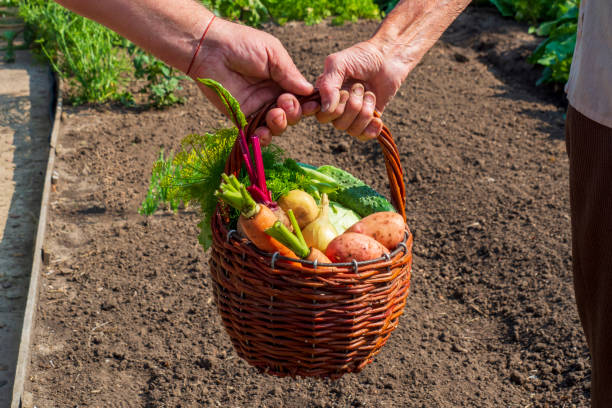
(302, 204)
(319, 233)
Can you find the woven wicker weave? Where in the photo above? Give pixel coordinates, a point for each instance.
(298, 319)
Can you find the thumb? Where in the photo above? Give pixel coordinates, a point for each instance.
(284, 72)
(329, 84)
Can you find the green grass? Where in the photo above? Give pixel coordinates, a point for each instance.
(83, 52)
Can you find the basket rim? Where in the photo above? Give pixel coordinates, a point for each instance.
(402, 246)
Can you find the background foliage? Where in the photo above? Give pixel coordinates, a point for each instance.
(97, 63)
(257, 12)
(557, 21)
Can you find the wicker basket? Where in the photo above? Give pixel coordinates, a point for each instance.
(300, 319)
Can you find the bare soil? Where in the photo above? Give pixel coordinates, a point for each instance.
(126, 313)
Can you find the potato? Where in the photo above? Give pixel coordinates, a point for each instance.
(385, 227)
(351, 245)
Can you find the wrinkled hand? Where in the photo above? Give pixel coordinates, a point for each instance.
(255, 67)
(354, 83)
(371, 79)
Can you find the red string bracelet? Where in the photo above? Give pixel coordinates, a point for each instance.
(199, 45)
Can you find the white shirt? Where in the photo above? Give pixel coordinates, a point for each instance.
(589, 88)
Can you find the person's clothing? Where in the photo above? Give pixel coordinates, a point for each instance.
(589, 88)
(589, 147)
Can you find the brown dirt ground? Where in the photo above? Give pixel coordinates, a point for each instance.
(126, 314)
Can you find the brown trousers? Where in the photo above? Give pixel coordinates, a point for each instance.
(589, 147)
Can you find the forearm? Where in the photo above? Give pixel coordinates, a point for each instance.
(413, 27)
(168, 29)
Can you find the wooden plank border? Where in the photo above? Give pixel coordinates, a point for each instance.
(23, 360)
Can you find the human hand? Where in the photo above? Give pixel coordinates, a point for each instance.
(371, 78)
(255, 68)
(355, 81)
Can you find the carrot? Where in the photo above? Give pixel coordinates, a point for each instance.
(255, 226)
(316, 255)
(295, 241)
(254, 218)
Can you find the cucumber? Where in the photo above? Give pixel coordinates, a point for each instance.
(308, 166)
(355, 194)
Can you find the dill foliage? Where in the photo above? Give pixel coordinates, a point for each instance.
(191, 176)
(194, 174)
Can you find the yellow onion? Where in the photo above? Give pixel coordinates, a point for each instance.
(320, 232)
(302, 204)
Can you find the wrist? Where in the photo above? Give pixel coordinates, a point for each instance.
(199, 44)
(213, 49)
(413, 27)
(396, 62)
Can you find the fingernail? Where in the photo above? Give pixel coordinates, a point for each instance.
(358, 89)
(310, 106)
(368, 98)
(306, 84)
(279, 121)
(325, 107)
(371, 131)
(287, 106)
(343, 97)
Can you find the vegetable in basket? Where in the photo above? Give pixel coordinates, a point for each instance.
(194, 175)
(254, 218)
(355, 194)
(296, 242)
(253, 165)
(191, 176)
(341, 217)
(354, 246)
(302, 204)
(386, 227)
(319, 233)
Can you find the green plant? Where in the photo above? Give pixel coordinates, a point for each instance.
(9, 3)
(257, 12)
(191, 176)
(558, 22)
(250, 12)
(533, 11)
(556, 52)
(93, 59)
(386, 6)
(163, 80)
(313, 11)
(9, 36)
(80, 50)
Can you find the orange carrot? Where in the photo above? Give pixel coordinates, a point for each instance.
(254, 218)
(255, 226)
(316, 255)
(295, 241)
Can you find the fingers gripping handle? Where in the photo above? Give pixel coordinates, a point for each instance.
(389, 148)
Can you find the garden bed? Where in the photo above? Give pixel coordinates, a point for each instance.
(126, 312)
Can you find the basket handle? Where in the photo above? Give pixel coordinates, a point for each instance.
(389, 148)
